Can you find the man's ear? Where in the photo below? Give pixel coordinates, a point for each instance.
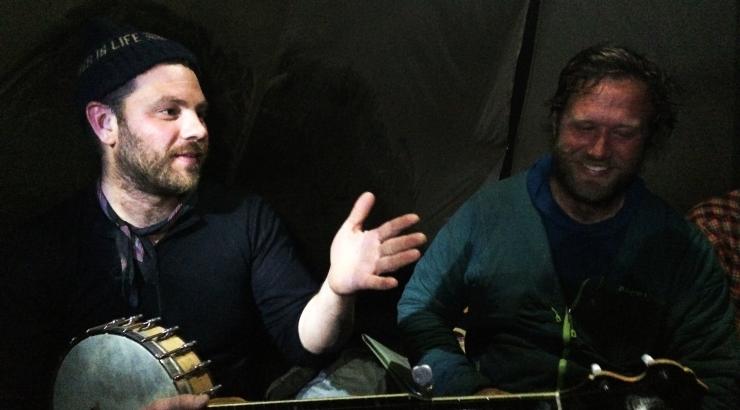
(103, 122)
(554, 124)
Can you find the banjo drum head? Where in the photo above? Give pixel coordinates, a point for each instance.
(109, 371)
(126, 364)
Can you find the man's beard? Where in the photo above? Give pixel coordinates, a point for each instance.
(152, 172)
(591, 192)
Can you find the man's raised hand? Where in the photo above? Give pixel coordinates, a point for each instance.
(359, 257)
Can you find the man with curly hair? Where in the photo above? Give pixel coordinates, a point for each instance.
(575, 261)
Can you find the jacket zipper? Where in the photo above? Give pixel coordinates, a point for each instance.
(568, 333)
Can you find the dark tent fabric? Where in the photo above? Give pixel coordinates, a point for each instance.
(315, 102)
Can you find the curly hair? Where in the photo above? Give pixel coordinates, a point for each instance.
(590, 66)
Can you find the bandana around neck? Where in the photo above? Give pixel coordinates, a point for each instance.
(137, 252)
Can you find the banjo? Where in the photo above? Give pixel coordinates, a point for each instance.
(127, 363)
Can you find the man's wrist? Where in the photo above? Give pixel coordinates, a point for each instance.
(343, 304)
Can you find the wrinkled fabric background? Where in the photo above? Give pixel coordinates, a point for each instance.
(315, 102)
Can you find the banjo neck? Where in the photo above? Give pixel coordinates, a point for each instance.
(664, 384)
(399, 401)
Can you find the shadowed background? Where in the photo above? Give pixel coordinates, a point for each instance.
(420, 102)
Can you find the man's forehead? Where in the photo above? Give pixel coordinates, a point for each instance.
(623, 93)
(168, 81)
(634, 87)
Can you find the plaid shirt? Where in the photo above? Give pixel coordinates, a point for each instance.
(719, 219)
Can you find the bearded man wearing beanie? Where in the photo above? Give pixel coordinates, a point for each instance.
(148, 239)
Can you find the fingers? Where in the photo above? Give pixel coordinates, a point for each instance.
(490, 391)
(396, 225)
(360, 210)
(397, 261)
(181, 402)
(379, 283)
(402, 243)
(398, 251)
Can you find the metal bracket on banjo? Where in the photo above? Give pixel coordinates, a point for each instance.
(199, 368)
(187, 347)
(150, 323)
(122, 322)
(166, 333)
(213, 390)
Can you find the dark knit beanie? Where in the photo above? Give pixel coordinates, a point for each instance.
(118, 53)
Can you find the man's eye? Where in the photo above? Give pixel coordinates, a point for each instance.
(625, 134)
(171, 112)
(583, 129)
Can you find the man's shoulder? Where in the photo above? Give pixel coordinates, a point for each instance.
(234, 205)
(659, 212)
(656, 220)
(514, 185)
(216, 197)
(505, 195)
(495, 204)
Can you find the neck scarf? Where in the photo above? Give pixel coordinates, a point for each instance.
(137, 252)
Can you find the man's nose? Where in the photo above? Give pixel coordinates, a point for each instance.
(193, 126)
(599, 147)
